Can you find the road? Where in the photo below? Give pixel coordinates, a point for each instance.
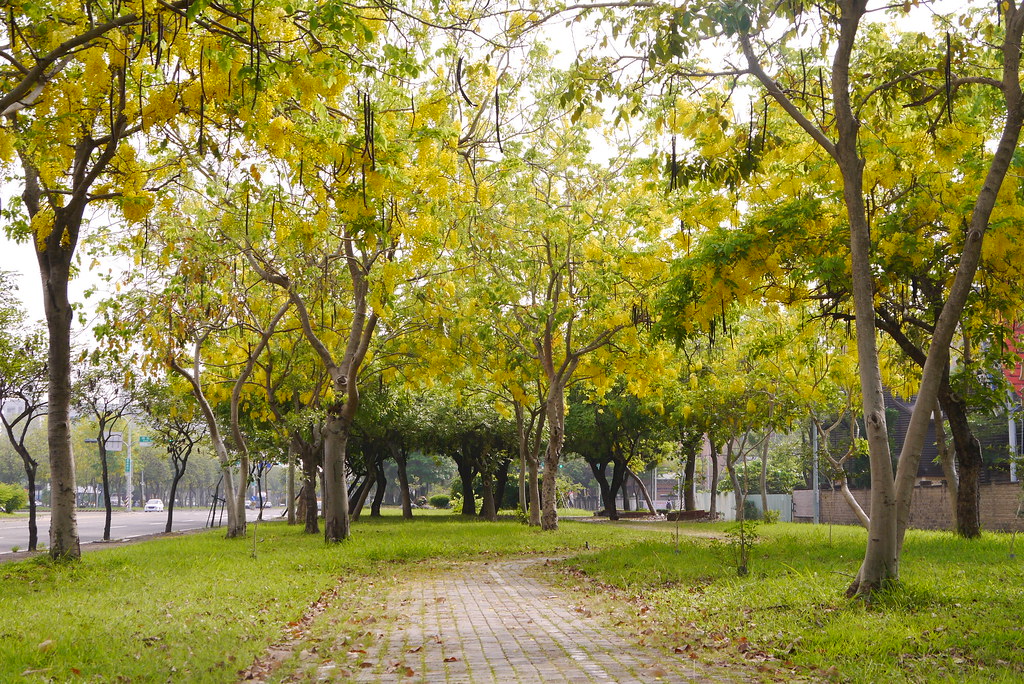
(123, 525)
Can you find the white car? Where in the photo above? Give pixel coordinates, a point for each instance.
(153, 505)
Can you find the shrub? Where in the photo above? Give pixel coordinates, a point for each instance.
(771, 517)
(440, 501)
(751, 511)
(12, 497)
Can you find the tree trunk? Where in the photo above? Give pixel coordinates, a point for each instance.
(643, 490)
(948, 463)
(689, 502)
(106, 491)
(533, 473)
(309, 459)
(852, 502)
(291, 483)
(381, 482)
(403, 480)
(178, 474)
(54, 269)
(599, 471)
(713, 507)
(466, 474)
(336, 519)
(236, 522)
(737, 492)
(764, 476)
(362, 491)
(523, 439)
(617, 485)
(308, 493)
(555, 410)
(880, 557)
(488, 508)
(501, 483)
(368, 483)
(969, 460)
(524, 501)
(33, 528)
(533, 466)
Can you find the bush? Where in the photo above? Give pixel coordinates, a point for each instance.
(771, 517)
(12, 497)
(440, 501)
(751, 511)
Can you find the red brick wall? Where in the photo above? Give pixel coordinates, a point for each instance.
(929, 508)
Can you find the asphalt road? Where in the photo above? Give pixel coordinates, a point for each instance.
(123, 525)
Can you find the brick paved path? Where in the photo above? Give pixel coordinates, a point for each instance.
(493, 623)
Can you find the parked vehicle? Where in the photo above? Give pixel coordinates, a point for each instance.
(153, 505)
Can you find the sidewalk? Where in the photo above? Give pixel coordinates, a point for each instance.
(493, 623)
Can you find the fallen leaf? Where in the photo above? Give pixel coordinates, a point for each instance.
(46, 645)
(451, 659)
(415, 650)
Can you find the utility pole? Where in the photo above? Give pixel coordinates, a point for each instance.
(1013, 447)
(128, 466)
(814, 475)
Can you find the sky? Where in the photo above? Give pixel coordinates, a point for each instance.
(20, 260)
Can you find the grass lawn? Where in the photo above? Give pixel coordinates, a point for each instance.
(957, 616)
(201, 608)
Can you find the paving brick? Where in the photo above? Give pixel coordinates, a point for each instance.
(497, 624)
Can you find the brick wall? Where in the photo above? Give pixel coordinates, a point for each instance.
(929, 508)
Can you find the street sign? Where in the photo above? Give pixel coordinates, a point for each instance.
(127, 464)
(115, 441)
(145, 440)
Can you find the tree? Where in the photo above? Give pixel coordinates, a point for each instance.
(192, 373)
(845, 121)
(294, 398)
(620, 430)
(85, 83)
(214, 321)
(101, 390)
(178, 427)
(890, 496)
(568, 248)
(22, 383)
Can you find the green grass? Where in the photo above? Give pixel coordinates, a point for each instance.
(956, 616)
(200, 608)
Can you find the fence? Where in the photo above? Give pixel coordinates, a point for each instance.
(1001, 507)
(726, 504)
